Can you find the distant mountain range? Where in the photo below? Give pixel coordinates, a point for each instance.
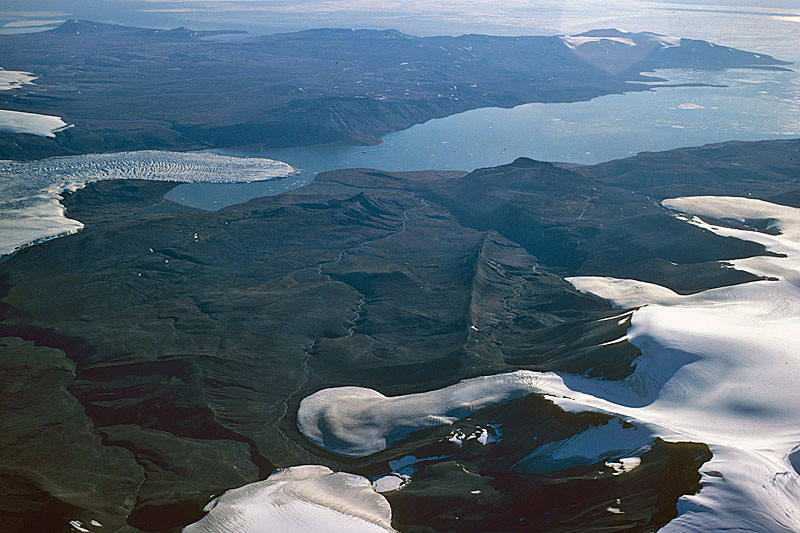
(132, 88)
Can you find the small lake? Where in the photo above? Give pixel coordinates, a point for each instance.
(752, 105)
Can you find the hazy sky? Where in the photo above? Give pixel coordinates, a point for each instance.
(773, 24)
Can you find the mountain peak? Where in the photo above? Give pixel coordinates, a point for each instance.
(78, 26)
(527, 162)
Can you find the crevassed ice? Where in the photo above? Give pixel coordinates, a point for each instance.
(30, 211)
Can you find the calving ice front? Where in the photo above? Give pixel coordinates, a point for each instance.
(721, 366)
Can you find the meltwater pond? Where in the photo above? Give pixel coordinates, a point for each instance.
(741, 105)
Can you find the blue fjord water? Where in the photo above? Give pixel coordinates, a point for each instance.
(741, 104)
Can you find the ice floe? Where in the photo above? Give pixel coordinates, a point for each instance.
(355, 421)
(690, 106)
(305, 498)
(30, 211)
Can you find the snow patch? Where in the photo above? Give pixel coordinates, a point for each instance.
(391, 482)
(481, 435)
(77, 525)
(14, 79)
(301, 498)
(575, 41)
(356, 422)
(31, 123)
(597, 443)
(626, 464)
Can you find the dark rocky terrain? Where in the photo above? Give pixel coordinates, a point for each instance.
(131, 88)
(159, 356)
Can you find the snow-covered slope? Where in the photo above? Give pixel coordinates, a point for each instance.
(355, 421)
(31, 123)
(299, 499)
(720, 367)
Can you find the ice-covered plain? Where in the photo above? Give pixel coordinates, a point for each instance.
(301, 498)
(30, 211)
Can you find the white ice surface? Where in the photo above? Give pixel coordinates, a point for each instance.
(625, 464)
(722, 367)
(19, 122)
(14, 79)
(575, 41)
(30, 211)
(596, 443)
(31, 123)
(391, 482)
(299, 499)
(355, 422)
(480, 434)
(646, 39)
